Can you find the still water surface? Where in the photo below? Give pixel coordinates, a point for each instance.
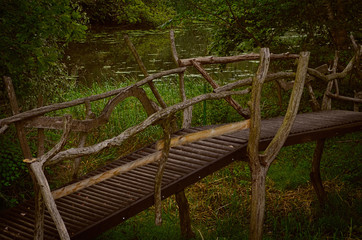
(105, 55)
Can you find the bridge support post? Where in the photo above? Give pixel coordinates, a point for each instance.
(184, 214)
(315, 174)
(39, 202)
(260, 163)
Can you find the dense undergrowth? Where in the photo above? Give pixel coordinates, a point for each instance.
(220, 203)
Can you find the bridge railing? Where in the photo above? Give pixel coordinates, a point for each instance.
(160, 114)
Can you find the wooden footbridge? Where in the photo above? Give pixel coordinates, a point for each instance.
(108, 196)
(93, 210)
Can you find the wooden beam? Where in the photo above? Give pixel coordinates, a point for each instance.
(184, 215)
(231, 59)
(209, 133)
(315, 174)
(90, 123)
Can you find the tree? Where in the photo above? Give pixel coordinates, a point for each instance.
(33, 36)
(149, 13)
(243, 25)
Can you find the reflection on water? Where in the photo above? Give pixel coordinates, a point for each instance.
(104, 54)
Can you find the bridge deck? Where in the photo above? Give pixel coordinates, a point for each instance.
(95, 209)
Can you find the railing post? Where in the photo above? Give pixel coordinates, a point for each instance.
(39, 203)
(82, 140)
(181, 200)
(166, 125)
(187, 112)
(260, 163)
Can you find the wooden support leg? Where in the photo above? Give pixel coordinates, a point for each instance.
(257, 203)
(39, 213)
(161, 167)
(76, 163)
(184, 213)
(315, 175)
(39, 204)
(37, 170)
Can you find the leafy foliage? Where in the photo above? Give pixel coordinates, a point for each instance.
(243, 25)
(13, 173)
(34, 33)
(131, 12)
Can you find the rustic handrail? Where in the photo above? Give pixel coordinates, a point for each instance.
(50, 108)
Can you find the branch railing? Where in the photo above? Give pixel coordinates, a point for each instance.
(163, 115)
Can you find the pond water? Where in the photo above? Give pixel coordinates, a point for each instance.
(105, 55)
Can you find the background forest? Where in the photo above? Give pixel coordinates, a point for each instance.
(36, 33)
